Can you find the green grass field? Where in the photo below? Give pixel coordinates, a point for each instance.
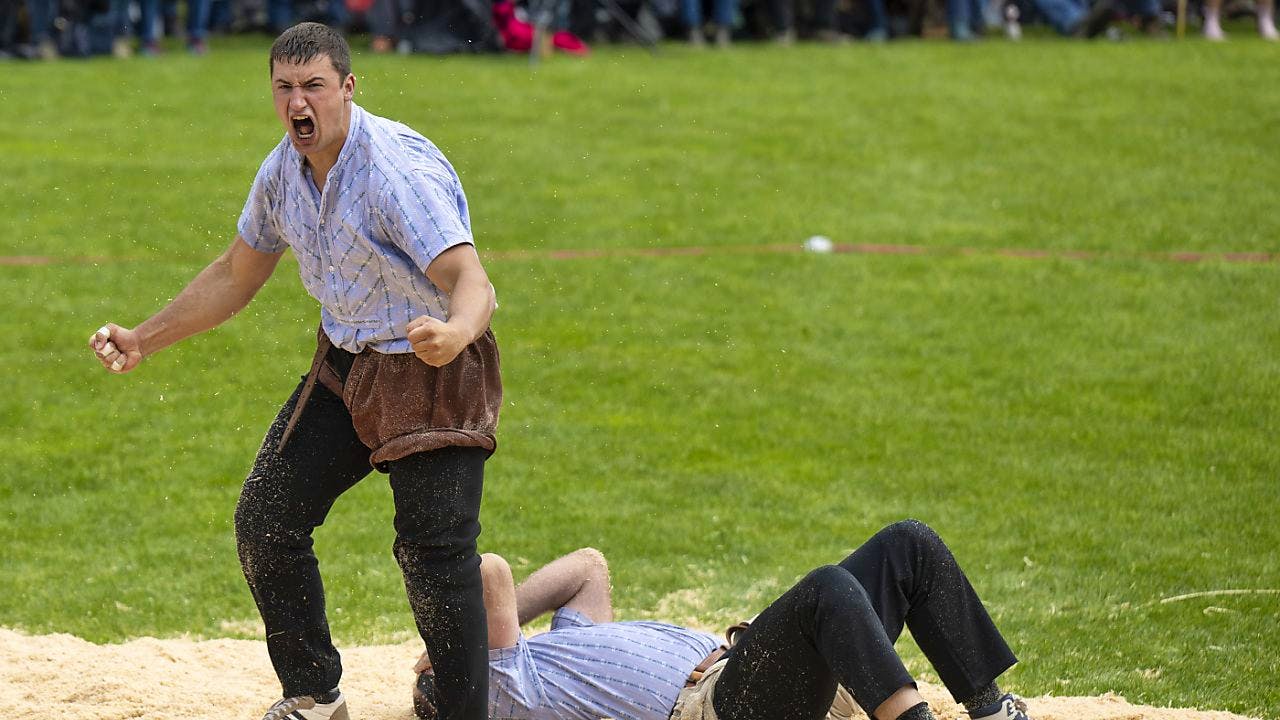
(1092, 436)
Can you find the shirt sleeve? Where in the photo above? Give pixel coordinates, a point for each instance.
(566, 618)
(257, 224)
(423, 209)
(515, 690)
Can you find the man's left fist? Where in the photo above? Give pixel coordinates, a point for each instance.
(435, 343)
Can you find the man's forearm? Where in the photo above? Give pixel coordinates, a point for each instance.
(579, 580)
(550, 587)
(206, 302)
(471, 305)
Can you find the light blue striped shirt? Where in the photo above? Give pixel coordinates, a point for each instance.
(582, 671)
(390, 205)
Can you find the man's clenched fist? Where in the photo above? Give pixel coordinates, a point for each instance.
(116, 348)
(435, 343)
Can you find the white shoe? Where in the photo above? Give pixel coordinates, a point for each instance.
(1008, 707)
(304, 707)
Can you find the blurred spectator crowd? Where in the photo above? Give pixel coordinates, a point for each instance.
(48, 29)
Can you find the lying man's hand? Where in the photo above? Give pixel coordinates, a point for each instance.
(423, 664)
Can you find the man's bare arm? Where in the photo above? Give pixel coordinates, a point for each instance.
(578, 581)
(499, 607)
(458, 272)
(220, 290)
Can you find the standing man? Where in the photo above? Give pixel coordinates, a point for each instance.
(405, 378)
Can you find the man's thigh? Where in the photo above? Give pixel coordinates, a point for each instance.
(437, 494)
(774, 672)
(296, 485)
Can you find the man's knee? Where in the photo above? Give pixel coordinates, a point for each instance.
(495, 571)
(263, 521)
(831, 591)
(597, 565)
(910, 532)
(824, 581)
(453, 547)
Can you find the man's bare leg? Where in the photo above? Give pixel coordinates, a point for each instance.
(901, 701)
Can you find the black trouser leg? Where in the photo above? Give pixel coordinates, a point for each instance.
(911, 575)
(839, 624)
(820, 632)
(783, 15)
(285, 497)
(824, 14)
(437, 496)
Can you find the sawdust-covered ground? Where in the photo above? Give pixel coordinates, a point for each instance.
(62, 676)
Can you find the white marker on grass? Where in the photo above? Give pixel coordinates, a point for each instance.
(819, 244)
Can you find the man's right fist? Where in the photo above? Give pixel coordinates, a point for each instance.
(116, 348)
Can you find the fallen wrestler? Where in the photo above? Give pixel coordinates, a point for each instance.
(834, 629)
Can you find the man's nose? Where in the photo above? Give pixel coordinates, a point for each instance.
(296, 100)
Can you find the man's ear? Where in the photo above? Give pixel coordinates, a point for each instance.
(349, 89)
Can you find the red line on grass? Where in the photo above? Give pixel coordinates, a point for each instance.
(882, 249)
(843, 248)
(26, 260)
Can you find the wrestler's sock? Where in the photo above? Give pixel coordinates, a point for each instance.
(326, 698)
(988, 695)
(919, 711)
(1267, 21)
(1212, 23)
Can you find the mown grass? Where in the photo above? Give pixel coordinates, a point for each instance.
(1091, 435)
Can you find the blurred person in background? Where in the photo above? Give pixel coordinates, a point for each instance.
(964, 19)
(40, 17)
(783, 15)
(152, 23)
(723, 14)
(1078, 18)
(8, 29)
(878, 31)
(388, 21)
(1265, 10)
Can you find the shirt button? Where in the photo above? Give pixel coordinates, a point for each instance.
(330, 268)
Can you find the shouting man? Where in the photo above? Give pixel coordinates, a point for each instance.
(405, 377)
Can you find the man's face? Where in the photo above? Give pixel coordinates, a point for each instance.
(311, 101)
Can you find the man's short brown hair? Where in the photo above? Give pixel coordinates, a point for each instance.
(306, 41)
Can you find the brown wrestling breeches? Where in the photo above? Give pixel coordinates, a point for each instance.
(400, 405)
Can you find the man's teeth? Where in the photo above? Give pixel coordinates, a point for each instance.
(303, 125)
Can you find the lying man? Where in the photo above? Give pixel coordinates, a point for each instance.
(835, 627)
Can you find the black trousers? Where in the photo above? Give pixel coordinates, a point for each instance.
(437, 500)
(839, 623)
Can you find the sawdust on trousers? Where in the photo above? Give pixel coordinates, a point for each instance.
(62, 676)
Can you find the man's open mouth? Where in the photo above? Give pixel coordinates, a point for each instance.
(303, 126)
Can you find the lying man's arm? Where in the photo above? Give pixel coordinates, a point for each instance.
(578, 581)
